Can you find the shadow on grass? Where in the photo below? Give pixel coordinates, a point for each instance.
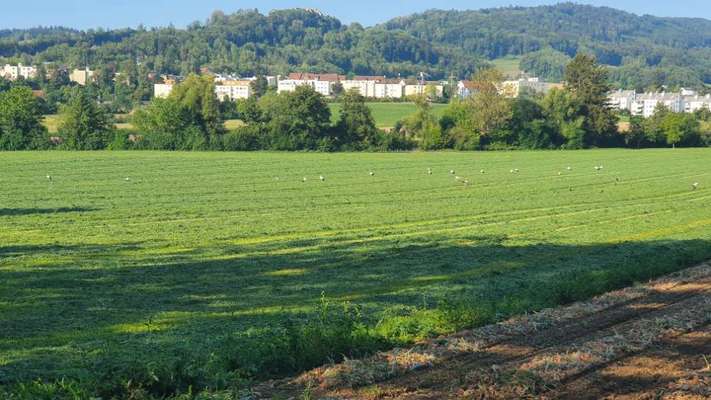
(14, 212)
(119, 301)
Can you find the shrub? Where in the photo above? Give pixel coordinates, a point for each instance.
(245, 138)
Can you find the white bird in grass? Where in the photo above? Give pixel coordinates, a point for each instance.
(128, 179)
(322, 178)
(49, 177)
(570, 168)
(695, 185)
(482, 171)
(429, 171)
(372, 173)
(452, 172)
(303, 180)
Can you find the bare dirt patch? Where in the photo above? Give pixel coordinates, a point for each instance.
(649, 341)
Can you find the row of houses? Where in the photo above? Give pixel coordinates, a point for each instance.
(377, 87)
(227, 87)
(645, 104)
(235, 88)
(15, 72)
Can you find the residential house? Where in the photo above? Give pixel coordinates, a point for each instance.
(465, 89)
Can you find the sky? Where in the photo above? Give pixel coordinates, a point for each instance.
(84, 14)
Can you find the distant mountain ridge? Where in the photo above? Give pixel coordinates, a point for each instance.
(644, 51)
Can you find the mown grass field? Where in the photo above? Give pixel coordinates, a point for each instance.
(509, 66)
(387, 114)
(136, 256)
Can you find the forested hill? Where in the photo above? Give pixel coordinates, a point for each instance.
(645, 51)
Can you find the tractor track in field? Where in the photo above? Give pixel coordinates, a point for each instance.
(580, 351)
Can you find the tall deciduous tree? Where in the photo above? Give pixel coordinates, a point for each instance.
(490, 112)
(197, 95)
(356, 126)
(20, 120)
(299, 120)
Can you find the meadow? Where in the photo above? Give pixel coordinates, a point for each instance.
(509, 66)
(171, 272)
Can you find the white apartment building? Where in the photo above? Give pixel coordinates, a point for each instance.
(233, 89)
(622, 99)
(290, 85)
(81, 76)
(162, 90)
(14, 72)
(645, 104)
(419, 89)
(695, 103)
(366, 87)
(390, 89)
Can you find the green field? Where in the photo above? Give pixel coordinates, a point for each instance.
(387, 114)
(153, 258)
(509, 66)
(52, 122)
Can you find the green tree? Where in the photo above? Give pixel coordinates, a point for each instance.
(169, 125)
(681, 129)
(490, 111)
(259, 86)
(587, 81)
(248, 110)
(338, 89)
(299, 120)
(197, 95)
(423, 126)
(356, 126)
(20, 120)
(85, 125)
(560, 108)
(653, 127)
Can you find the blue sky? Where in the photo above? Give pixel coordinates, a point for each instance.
(124, 13)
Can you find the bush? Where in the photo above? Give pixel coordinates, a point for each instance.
(245, 138)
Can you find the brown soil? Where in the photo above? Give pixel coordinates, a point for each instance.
(647, 342)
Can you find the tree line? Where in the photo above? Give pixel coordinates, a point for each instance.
(192, 118)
